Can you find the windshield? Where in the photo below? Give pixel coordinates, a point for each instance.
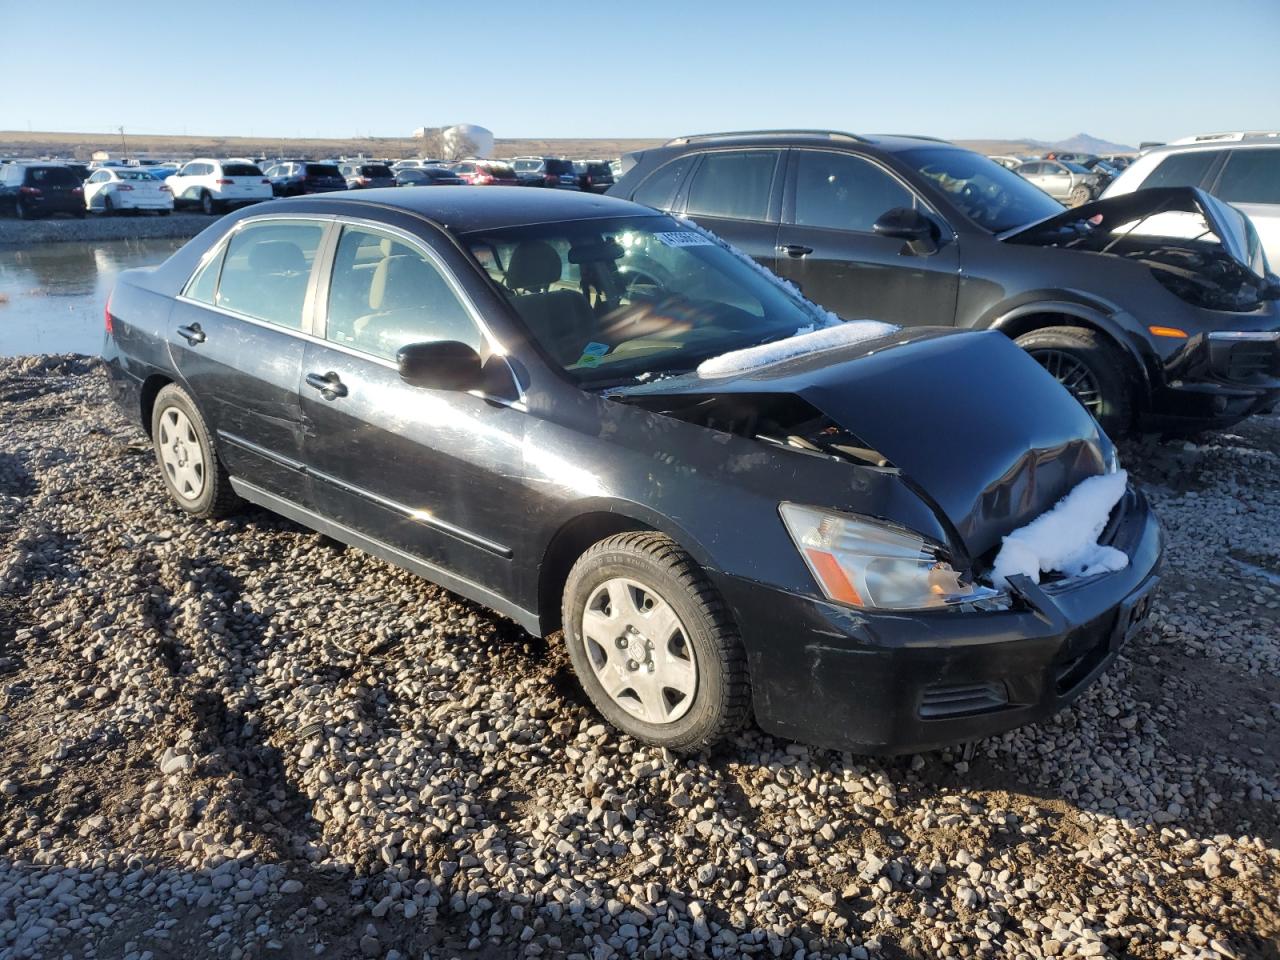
(985, 192)
(617, 300)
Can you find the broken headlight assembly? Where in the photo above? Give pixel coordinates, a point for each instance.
(874, 566)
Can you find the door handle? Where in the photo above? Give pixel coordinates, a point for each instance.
(192, 334)
(795, 250)
(328, 384)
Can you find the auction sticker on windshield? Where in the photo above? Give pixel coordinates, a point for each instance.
(684, 238)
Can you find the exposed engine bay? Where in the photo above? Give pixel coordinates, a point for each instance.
(1201, 250)
(782, 420)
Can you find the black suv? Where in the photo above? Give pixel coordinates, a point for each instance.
(545, 172)
(293, 178)
(30, 190)
(1156, 309)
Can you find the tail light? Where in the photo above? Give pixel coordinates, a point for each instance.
(224, 182)
(121, 188)
(551, 178)
(77, 189)
(364, 180)
(482, 178)
(106, 317)
(30, 191)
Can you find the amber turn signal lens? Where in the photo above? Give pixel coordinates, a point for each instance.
(1173, 332)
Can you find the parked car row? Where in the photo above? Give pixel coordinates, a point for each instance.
(217, 185)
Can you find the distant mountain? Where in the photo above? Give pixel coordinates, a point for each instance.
(1084, 143)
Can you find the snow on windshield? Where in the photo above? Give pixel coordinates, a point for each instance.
(1065, 538)
(803, 342)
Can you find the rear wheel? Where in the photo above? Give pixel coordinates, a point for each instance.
(653, 645)
(207, 204)
(22, 211)
(188, 462)
(108, 207)
(1090, 367)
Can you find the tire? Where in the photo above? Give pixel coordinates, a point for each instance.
(164, 213)
(703, 652)
(1091, 368)
(179, 436)
(207, 204)
(20, 210)
(1080, 196)
(81, 214)
(108, 207)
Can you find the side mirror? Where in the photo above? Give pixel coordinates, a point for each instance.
(440, 365)
(903, 223)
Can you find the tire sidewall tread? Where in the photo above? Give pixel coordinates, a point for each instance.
(217, 499)
(1104, 361)
(722, 702)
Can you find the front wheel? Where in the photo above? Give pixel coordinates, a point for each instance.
(1091, 369)
(1080, 196)
(653, 645)
(188, 461)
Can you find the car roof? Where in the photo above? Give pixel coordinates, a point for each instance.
(1224, 143)
(488, 208)
(885, 141)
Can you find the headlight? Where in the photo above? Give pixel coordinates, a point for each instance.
(874, 566)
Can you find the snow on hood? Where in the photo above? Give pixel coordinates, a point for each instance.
(1065, 538)
(805, 340)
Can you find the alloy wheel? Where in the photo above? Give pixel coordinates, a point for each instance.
(181, 454)
(639, 651)
(1075, 375)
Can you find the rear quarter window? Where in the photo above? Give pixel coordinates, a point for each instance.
(1182, 169)
(659, 188)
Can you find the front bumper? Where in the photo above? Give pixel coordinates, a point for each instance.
(1227, 377)
(890, 683)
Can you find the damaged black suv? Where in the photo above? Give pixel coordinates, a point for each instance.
(591, 417)
(1156, 309)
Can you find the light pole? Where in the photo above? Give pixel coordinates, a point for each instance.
(124, 146)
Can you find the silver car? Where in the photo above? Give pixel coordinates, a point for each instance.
(1063, 180)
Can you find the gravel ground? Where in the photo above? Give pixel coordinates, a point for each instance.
(239, 739)
(15, 232)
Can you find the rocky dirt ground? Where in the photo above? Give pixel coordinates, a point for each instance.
(131, 226)
(238, 739)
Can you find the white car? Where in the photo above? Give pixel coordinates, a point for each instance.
(216, 185)
(1241, 168)
(112, 189)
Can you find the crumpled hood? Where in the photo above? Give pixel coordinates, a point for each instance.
(1175, 212)
(972, 422)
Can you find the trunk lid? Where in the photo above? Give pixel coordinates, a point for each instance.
(970, 421)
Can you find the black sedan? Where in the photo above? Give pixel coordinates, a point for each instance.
(428, 177)
(594, 418)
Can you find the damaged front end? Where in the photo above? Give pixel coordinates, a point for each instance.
(984, 461)
(1200, 249)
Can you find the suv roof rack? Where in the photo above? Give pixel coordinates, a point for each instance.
(916, 136)
(1235, 136)
(831, 134)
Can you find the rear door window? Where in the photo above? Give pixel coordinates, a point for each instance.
(840, 191)
(268, 266)
(1182, 169)
(734, 185)
(385, 293)
(1251, 176)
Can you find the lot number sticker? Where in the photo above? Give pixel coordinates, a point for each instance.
(684, 238)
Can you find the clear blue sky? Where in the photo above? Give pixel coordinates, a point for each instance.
(1124, 70)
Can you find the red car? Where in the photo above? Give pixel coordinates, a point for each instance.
(486, 173)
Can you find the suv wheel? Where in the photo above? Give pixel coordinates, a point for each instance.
(1089, 367)
(188, 462)
(653, 645)
(207, 203)
(1080, 196)
(21, 210)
